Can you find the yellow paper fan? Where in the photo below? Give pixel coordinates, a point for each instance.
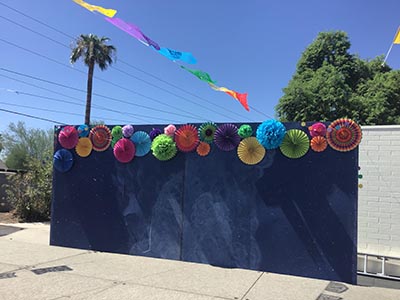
(250, 151)
(84, 147)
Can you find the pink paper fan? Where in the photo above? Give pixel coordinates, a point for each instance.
(124, 150)
(68, 137)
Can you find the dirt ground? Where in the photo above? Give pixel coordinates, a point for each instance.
(8, 217)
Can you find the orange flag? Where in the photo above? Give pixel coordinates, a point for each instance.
(242, 98)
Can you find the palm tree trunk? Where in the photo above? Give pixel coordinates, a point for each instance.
(89, 92)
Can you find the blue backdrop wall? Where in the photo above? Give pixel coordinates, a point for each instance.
(290, 216)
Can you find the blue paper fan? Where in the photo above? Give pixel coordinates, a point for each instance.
(142, 142)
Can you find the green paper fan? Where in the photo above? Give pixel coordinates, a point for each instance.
(295, 144)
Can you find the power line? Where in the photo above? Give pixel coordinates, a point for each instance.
(106, 81)
(136, 68)
(59, 111)
(99, 95)
(80, 104)
(30, 116)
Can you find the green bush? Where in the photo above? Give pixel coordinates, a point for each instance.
(30, 192)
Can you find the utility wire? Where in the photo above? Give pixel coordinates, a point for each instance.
(136, 68)
(106, 81)
(99, 95)
(60, 112)
(30, 116)
(80, 104)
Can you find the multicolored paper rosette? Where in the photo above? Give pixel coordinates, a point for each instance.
(163, 147)
(203, 149)
(207, 131)
(295, 144)
(84, 147)
(245, 131)
(270, 134)
(317, 129)
(226, 137)
(124, 150)
(142, 142)
(63, 160)
(187, 138)
(68, 137)
(100, 136)
(344, 135)
(318, 143)
(250, 151)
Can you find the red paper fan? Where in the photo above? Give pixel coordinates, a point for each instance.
(124, 150)
(344, 135)
(100, 137)
(187, 138)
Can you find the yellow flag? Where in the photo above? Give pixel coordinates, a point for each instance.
(104, 11)
(397, 37)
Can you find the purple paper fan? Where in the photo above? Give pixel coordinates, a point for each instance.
(226, 137)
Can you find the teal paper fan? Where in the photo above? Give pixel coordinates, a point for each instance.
(142, 142)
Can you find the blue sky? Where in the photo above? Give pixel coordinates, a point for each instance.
(248, 46)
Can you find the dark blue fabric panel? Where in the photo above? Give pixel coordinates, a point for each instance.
(290, 216)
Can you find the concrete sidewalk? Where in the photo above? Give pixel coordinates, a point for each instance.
(30, 269)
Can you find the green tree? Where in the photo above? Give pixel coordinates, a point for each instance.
(30, 191)
(29, 150)
(93, 50)
(331, 83)
(22, 144)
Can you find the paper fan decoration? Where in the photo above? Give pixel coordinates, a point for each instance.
(187, 138)
(83, 130)
(84, 147)
(226, 137)
(63, 160)
(245, 131)
(100, 136)
(68, 137)
(163, 147)
(170, 130)
(317, 129)
(207, 131)
(142, 143)
(124, 150)
(203, 149)
(250, 151)
(155, 132)
(116, 132)
(318, 143)
(127, 131)
(295, 144)
(344, 135)
(270, 134)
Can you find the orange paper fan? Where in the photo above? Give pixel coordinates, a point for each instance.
(187, 138)
(203, 149)
(318, 143)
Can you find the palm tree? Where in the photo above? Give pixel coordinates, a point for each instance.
(93, 50)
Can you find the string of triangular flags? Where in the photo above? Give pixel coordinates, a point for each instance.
(171, 54)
